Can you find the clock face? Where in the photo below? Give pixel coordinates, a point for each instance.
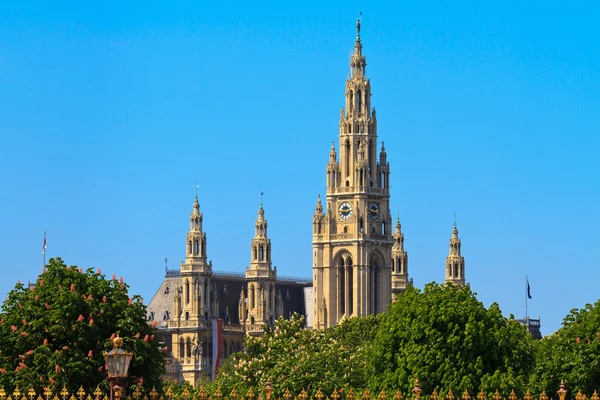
(373, 211)
(345, 210)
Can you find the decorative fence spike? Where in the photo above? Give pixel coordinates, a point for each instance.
(218, 395)
(350, 395)
(319, 395)
(528, 396)
(286, 395)
(513, 395)
(434, 395)
(31, 393)
(303, 395)
(335, 395)
(382, 395)
(97, 393)
(366, 395)
(562, 392)
(234, 394)
(81, 392)
(137, 393)
(250, 394)
(595, 396)
(398, 395)
(64, 393)
(543, 396)
(497, 395)
(481, 395)
(17, 393)
(465, 395)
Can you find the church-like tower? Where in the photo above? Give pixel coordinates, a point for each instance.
(352, 240)
(260, 277)
(455, 263)
(194, 300)
(399, 262)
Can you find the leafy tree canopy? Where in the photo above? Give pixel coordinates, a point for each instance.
(445, 337)
(571, 353)
(295, 358)
(54, 332)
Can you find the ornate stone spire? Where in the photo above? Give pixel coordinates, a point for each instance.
(399, 262)
(319, 207)
(455, 262)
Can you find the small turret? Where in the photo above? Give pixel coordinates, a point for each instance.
(399, 262)
(455, 262)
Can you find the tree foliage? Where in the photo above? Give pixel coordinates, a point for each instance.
(445, 337)
(571, 353)
(55, 331)
(295, 358)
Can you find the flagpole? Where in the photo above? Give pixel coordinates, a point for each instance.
(44, 251)
(526, 299)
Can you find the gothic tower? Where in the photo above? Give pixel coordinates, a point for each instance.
(260, 278)
(455, 263)
(352, 241)
(399, 262)
(192, 303)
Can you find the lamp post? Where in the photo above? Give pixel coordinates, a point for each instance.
(117, 365)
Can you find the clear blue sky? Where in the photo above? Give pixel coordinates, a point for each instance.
(110, 114)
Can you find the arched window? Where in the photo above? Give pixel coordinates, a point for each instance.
(261, 255)
(342, 286)
(358, 101)
(361, 224)
(348, 155)
(189, 247)
(187, 316)
(251, 297)
(187, 292)
(255, 253)
(196, 247)
(251, 320)
(351, 105)
(345, 229)
(181, 348)
(456, 271)
(383, 232)
(188, 347)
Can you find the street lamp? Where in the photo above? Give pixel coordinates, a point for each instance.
(117, 364)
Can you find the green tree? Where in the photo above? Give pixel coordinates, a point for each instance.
(571, 354)
(54, 332)
(295, 358)
(445, 337)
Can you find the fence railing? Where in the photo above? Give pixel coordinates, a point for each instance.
(51, 393)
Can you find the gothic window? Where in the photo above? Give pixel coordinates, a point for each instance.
(181, 348)
(196, 247)
(255, 253)
(383, 228)
(187, 292)
(187, 316)
(361, 225)
(188, 348)
(351, 101)
(347, 159)
(189, 247)
(260, 253)
(358, 101)
(345, 230)
(456, 271)
(252, 297)
(251, 320)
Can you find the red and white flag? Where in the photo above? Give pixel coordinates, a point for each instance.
(44, 246)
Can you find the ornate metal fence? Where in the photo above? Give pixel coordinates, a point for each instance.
(51, 393)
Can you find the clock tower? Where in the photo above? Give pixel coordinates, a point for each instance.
(352, 239)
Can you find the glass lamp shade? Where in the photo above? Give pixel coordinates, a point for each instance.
(117, 362)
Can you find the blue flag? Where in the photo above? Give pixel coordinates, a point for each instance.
(528, 289)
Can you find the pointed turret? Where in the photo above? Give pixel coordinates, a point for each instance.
(399, 262)
(455, 262)
(260, 278)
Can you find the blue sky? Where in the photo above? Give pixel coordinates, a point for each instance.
(110, 114)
